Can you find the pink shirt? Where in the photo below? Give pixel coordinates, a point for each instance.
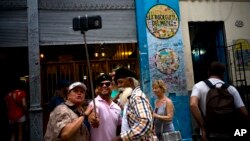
(110, 118)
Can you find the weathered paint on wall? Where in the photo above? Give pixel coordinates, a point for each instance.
(162, 56)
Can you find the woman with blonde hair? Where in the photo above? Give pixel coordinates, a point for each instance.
(164, 109)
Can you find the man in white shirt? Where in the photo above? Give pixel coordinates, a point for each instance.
(199, 93)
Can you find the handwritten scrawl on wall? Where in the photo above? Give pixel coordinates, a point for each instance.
(242, 53)
(165, 48)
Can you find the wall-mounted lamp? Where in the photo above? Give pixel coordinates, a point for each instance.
(42, 55)
(84, 77)
(128, 66)
(127, 53)
(96, 54)
(103, 54)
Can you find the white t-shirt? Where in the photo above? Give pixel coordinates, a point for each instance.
(200, 90)
(125, 126)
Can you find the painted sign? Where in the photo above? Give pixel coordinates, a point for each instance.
(162, 56)
(162, 21)
(165, 48)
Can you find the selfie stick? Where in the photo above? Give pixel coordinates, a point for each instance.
(84, 24)
(89, 68)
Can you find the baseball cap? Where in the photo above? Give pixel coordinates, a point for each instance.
(77, 84)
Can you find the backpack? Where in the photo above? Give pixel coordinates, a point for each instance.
(220, 109)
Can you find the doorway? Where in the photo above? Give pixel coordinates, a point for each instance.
(207, 45)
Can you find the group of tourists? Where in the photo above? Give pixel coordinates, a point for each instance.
(127, 114)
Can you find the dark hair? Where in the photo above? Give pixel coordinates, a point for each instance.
(217, 69)
(123, 73)
(63, 84)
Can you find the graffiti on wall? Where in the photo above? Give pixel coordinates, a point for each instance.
(166, 57)
(162, 21)
(162, 56)
(242, 53)
(166, 61)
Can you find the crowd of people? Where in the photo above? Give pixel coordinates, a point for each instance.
(120, 110)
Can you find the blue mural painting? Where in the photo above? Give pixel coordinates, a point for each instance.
(162, 56)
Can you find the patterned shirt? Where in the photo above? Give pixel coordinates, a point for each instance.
(139, 116)
(60, 117)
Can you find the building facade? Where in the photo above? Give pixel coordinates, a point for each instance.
(36, 24)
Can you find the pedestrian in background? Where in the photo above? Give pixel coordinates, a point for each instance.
(60, 94)
(164, 109)
(66, 121)
(198, 104)
(16, 102)
(115, 91)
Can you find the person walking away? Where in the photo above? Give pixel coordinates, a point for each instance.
(17, 107)
(107, 120)
(139, 114)
(164, 110)
(198, 104)
(66, 121)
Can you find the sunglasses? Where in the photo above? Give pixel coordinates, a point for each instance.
(106, 83)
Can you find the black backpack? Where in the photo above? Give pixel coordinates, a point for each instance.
(220, 109)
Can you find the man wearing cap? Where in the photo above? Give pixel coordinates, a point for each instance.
(66, 120)
(138, 111)
(108, 114)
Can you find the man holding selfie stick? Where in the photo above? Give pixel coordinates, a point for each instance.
(107, 122)
(105, 109)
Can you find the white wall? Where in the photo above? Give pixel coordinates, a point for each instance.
(213, 10)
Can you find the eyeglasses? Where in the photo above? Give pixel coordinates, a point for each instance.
(106, 83)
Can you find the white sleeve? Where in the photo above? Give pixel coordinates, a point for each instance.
(195, 92)
(237, 99)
